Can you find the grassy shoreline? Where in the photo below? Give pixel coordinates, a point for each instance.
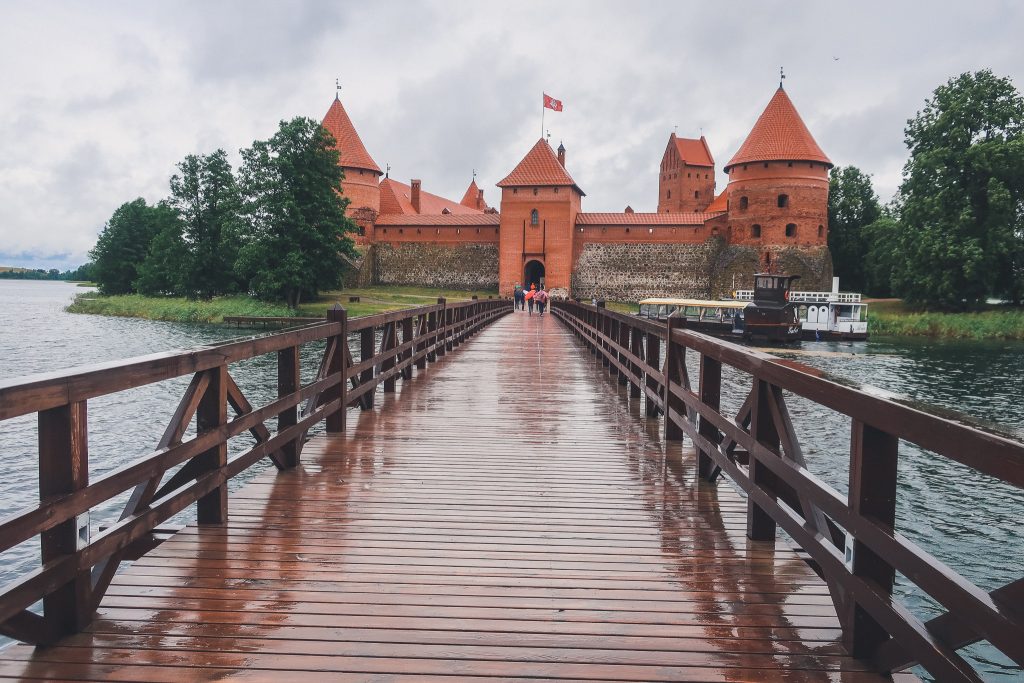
(178, 309)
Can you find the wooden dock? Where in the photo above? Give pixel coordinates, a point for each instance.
(500, 517)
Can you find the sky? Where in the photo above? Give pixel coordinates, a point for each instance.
(100, 100)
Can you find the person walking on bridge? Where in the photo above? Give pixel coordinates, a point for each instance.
(517, 297)
(541, 297)
(529, 297)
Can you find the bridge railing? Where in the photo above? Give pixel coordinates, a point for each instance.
(76, 568)
(851, 539)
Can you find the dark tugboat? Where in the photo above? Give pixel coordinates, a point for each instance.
(771, 317)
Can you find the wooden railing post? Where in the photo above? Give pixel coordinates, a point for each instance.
(674, 359)
(623, 340)
(287, 384)
(636, 344)
(422, 334)
(449, 325)
(432, 333)
(711, 396)
(874, 456)
(407, 354)
(760, 525)
(443, 325)
(654, 361)
(63, 469)
(336, 422)
(367, 340)
(212, 414)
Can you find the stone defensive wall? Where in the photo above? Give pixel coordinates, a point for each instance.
(710, 269)
(432, 264)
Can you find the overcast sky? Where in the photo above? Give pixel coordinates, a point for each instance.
(99, 100)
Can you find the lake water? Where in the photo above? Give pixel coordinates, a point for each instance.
(967, 520)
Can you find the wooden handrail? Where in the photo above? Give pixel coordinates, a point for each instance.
(760, 451)
(74, 574)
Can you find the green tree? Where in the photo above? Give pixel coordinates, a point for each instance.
(162, 273)
(205, 195)
(297, 227)
(852, 205)
(882, 257)
(962, 206)
(124, 243)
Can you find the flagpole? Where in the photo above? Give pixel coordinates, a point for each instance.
(542, 116)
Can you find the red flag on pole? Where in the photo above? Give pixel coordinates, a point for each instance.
(552, 103)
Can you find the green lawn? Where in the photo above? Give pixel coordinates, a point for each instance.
(178, 309)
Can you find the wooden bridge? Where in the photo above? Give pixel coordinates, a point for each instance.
(520, 509)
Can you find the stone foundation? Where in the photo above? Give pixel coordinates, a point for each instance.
(458, 266)
(735, 266)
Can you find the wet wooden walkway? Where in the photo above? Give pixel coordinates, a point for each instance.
(503, 516)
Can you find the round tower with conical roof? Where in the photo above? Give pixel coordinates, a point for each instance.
(362, 175)
(778, 183)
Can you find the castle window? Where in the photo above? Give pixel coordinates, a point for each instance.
(535, 191)
(385, 230)
(821, 231)
(744, 203)
(783, 201)
(556, 190)
(534, 218)
(755, 230)
(766, 164)
(515, 190)
(790, 229)
(418, 231)
(668, 194)
(627, 231)
(696, 194)
(705, 176)
(790, 164)
(362, 231)
(401, 231)
(687, 175)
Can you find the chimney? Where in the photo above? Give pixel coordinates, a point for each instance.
(480, 203)
(561, 154)
(415, 195)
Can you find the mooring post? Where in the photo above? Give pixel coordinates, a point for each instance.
(674, 359)
(874, 456)
(336, 422)
(64, 469)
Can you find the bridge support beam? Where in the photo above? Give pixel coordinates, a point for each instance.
(760, 525)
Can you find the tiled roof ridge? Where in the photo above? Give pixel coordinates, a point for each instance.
(395, 199)
(779, 134)
(351, 151)
(689, 218)
(694, 151)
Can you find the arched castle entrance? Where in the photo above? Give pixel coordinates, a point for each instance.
(533, 273)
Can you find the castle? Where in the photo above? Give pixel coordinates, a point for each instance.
(773, 214)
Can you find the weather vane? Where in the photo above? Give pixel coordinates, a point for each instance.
(387, 171)
(337, 85)
(474, 174)
(549, 136)
(675, 129)
(782, 76)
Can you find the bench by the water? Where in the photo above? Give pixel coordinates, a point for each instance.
(509, 513)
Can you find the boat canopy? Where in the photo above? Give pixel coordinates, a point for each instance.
(702, 303)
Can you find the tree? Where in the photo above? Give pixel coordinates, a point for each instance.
(162, 272)
(206, 198)
(962, 206)
(297, 228)
(852, 205)
(124, 243)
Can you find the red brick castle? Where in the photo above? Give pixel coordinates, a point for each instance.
(771, 215)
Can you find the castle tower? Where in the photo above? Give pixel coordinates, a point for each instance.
(778, 182)
(687, 181)
(362, 174)
(539, 204)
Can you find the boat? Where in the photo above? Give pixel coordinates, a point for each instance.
(722, 318)
(770, 316)
(826, 316)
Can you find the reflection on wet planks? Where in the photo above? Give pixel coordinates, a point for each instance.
(503, 517)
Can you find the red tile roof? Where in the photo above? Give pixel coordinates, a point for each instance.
(472, 195)
(694, 152)
(687, 219)
(473, 219)
(539, 167)
(351, 152)
(396, 198)
(779, 135)
(720, 204)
